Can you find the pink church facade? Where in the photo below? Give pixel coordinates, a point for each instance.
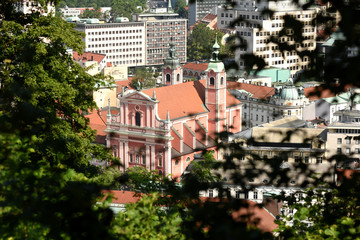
(162, 128)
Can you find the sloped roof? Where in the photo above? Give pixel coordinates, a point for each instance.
(120, 197)
(180, 100)
(195, 66)
(97, 123)
(209, 17)
(259, 92)
(185, 99)
(88, 56)
(317, 92)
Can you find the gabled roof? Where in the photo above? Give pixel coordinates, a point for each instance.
(96, 122)
(88, 56)
(185, 99)
(209, 17)
(180, 100)
(193, 66)
(259, 92)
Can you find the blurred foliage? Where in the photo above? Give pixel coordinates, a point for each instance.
(200, 42)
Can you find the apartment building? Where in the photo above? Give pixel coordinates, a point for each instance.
(162, 28)
(256, 29)
(263, 104)
(343, 137)
(198, 9)
(122, 43)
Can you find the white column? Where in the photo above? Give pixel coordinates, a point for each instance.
(126, 113)
(152, 158)
(126, 155)
(121, 151)
(147, 116)
(148, 159)
(167, 163)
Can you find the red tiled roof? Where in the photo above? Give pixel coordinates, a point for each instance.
(120, 197)
(87, 56)
(209, 17)
(108, 64)
(184, 99)
(195, 66)
(252, 214)
(180, 100)
(97, 124)
(255, 215)
(259, 92)
(123, 83)
(317, 92)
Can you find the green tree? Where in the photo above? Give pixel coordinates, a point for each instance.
(146, 219)
(125, 8)
(45, 140)
(201, 41)
(144, 77)
(96, 13)
(179, 8)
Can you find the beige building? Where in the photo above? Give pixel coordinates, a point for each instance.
(287, 139)
(343, 140)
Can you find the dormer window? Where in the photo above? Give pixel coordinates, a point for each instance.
(221, 80)
(212, 81)
(178, 78)
(168, 78)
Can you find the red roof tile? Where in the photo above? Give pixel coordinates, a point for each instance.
(87, 56)
(180, 100)
(120, 197)
(317, 92)
(256, 215)
(184, 99)
(259, 92)
(97, 124)
(252, 214)
(123, 83)
(209, 17)
(195, 66)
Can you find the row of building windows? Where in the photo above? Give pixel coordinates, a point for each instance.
(121, 25)
(348, 140)
(137, 61)
(298, 16)
(115, 50)
(115, 38)
(124, 56)
(340, 130)
(141, 159)
(347, 151)
(116, 32)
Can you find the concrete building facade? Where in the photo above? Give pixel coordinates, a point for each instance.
(161, 29)
(122, 43)
(256, 29)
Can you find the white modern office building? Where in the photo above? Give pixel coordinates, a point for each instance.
(255, 31)
(122, 43)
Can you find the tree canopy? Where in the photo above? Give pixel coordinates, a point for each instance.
(200, 42)
(179, 8)
(125, 8)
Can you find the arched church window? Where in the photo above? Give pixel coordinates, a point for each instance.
(137, 159)
(160, 161)
(143, 159)
(222, 80)
(178, 77)
(131, 156)
(212, 81)
(168, 77)
(137, 119)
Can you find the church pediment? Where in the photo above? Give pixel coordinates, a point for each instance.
(139, 96)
